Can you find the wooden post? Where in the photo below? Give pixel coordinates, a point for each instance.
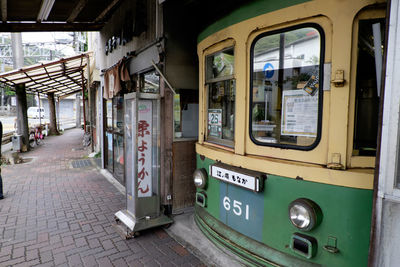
(78, 111)
(1, 181)
(53, 121)
(40, 111)
(167, 139)
(83, 101)
(22, 116)
(92, 113)
(58, 114)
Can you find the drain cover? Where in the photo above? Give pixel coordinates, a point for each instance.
(81, 163)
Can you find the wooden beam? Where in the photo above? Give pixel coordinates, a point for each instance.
(78, 8)
(105, 12)
(4, 10)
(45, 10)
(73, 80)
(69, 93)
(7, 81)
(64, 73)
(26, 69)
(38, 83)
(50, 74)
(50, 27)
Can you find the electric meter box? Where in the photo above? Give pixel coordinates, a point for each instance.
(17, 142)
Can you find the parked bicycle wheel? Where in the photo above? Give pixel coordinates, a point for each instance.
(32, 141)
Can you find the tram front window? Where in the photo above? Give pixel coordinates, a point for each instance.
(285, 90)
(221, 97)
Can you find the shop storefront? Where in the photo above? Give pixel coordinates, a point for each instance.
(145, 67)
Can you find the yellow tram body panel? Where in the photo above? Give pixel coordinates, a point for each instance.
(355, 178)
(334, 17)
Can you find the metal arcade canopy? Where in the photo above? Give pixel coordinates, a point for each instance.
(51, 15)
(62, 77)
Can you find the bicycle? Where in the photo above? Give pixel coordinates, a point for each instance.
(36, 136)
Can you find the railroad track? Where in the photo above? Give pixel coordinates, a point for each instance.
(7, 137)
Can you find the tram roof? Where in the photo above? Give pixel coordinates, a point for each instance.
(62, 77)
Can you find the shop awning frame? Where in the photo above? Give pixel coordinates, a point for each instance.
(62, 77)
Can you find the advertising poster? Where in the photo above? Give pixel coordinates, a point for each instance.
(109, 113)
(299, 113)
(177, 113)
(144, 148)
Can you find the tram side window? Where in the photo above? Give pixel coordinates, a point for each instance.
(368, 83)
(285, 92)
(221, 97)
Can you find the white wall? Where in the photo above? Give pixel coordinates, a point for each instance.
(387, 241)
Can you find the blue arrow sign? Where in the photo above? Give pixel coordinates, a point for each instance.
(268, 70)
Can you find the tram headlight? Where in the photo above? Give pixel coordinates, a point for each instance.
(200, 178)
(305, 214)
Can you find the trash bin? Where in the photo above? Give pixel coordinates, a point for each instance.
(17, 142)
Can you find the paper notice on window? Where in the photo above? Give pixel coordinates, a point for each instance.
(299, 113)
(215, 122)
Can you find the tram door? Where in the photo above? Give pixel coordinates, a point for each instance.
(142, 158)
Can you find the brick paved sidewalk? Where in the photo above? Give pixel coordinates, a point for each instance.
(55, 215)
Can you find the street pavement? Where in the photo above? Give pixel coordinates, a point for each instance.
(57, 215)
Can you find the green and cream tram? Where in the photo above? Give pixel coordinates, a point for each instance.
(288, 104)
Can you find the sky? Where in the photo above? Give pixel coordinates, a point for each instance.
(62, 40)
(59, 40)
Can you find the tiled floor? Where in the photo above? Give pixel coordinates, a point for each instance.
(56, 215)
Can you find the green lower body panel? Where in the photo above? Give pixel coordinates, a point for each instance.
(256, 225)
(252, 252)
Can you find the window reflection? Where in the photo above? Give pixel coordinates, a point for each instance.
(368, 86)
(221, 97)
(149, 83)
(285, 87)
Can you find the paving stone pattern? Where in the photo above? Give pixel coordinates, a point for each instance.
(81, 163)
(55, 215)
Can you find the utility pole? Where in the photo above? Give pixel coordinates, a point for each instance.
(2, 70)
(18, 53)
(22, 116)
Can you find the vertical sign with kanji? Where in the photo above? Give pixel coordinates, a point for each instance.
(144, 147)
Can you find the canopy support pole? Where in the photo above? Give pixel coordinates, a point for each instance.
(83, 101)
(53, 120)
(22, 116)
(40, 111)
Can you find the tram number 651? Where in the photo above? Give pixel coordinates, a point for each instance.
(236, 207)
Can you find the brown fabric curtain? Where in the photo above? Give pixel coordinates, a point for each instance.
(113, 78)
